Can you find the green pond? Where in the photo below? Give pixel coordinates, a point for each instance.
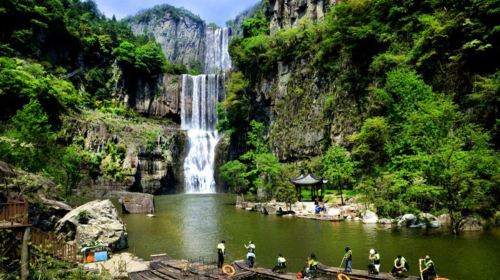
(190, 226)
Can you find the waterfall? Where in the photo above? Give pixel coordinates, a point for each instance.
(217, 58)
(199, 97)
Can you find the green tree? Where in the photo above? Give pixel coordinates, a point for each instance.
(234, 112)
(338, 167)
(258, 24)
(467, 171)
(234, 174)
(29, 139)
(72, 163)
(149, 58)
(369, 143)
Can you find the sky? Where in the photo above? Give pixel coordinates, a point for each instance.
(218, 11)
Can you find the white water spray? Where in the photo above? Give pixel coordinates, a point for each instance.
(200, 95)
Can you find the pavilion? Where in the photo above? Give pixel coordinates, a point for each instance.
(309, 180)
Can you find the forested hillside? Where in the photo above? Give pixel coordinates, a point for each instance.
(66, 72)
(397, 100)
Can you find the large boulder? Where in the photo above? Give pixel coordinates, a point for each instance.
(370, 217)
(94, 222)
(137, 203)
(429, 220)
(406, 220)
(445, 219)
(386, 221)
(472, 224)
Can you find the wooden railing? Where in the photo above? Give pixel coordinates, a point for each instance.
(50, 244)
(14, 213)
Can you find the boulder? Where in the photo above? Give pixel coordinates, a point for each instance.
(137, 203)
(386, 221)
(444, 219)
(472, 224)
(94, 222)
(334, 211)
(429, 220)
(406, 220)
(370, 217)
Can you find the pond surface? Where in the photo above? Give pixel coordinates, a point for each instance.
(190, 226)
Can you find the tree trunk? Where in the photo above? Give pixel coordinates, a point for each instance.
(25, 254)
(341, 194)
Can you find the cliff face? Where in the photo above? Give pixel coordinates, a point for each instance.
(287, 13)
(159, 97)
(299, 124)
(180, 33)
(151, 157)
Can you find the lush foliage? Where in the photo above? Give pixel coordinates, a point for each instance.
(424, 78)
(258, 168)
(58, 58)
(338, 167)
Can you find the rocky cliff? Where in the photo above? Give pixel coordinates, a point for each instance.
(300, 125)
(138, 154)
(179, 32)
(158, 97)
(287, 13)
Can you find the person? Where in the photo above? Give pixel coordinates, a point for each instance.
(429, 271)
(348, 259)
(250, 247)
(317, 209)
(250, 259)
(400, 266)
(374, 267)
(280, 264)
(221, 251)
(312, 265)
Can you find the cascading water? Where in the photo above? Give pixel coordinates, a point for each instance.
(200, 95)
(217, 58)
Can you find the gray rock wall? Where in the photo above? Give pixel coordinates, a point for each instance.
(299, 125)
(151, 167)
(180, 38)
(287, 13)
(158, 98)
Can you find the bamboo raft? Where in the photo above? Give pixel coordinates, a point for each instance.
(170, 269)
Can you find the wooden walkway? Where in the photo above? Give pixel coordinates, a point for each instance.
(170, 269)
(14, 215)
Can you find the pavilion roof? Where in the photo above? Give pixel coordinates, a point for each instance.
(308, 179)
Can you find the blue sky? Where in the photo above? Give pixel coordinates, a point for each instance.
(218, 11)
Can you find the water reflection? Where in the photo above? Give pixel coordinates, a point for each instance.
(200, 225)
(190, 226)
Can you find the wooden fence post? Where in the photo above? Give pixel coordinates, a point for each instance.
(25, 257)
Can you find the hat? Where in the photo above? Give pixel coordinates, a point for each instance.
(372, 251)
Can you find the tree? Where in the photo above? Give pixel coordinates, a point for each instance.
(233, 173)
(467, 171)
(258, 24)
(149, 58)
(338, 167)
(72, 162)
(234, 111)
(29, 139)
(369, 143)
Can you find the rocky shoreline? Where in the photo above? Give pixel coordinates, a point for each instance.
(354, 212)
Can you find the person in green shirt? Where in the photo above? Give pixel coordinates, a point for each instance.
(348, 259)
(400, 266)
(429, 271)
(311, 266)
